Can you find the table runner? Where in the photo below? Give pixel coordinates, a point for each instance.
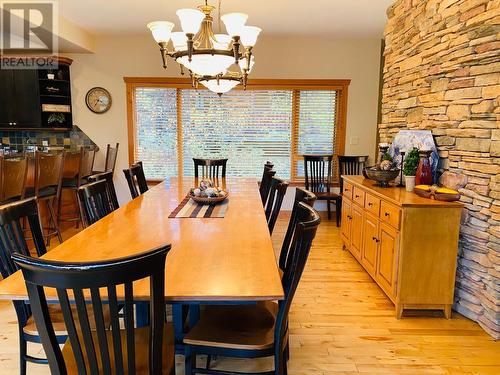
(188, 208)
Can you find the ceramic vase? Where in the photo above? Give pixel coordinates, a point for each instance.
(424, 169)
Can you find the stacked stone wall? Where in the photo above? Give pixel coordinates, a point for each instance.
(442, 73)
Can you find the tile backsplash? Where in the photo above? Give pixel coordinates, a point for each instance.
(20, 140)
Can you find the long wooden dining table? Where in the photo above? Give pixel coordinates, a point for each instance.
(212, 260)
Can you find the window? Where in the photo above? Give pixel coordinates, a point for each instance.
(170, 123)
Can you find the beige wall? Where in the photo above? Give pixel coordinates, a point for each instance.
(276, 57)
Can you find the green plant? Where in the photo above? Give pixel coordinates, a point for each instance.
(411, 162)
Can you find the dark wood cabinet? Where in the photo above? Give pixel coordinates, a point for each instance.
(29, 99)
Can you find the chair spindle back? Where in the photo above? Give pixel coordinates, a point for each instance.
(94, 201)
(276, 194)
(136, 179)
(210, 168)
(85, 280)
(318, 173)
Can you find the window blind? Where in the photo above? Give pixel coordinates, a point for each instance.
(172, 126)
(247, 127)
(316, 125)
(156, 131)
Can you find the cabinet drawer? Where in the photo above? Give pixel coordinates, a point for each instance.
(347, 190)
(358, 196)
(372, 204)
(390, 214)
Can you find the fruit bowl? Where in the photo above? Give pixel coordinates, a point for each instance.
(207, 193)
(209, 200)
(380, 176)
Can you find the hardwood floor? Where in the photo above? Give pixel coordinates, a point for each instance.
(341, 323)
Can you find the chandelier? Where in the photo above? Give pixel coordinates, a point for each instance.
(208, 56)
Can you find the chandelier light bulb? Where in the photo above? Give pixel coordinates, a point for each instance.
(161, 30)
(222, 41)
(249, 35)
(210, 65)
(234, 22)
(220, 87)
(243, 64)
(179, 40)
(190, 20)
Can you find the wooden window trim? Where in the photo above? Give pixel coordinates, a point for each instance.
(339, 85)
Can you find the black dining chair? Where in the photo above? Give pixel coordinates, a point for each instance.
(110, 186)
(13, 240)
(350, 165)
(146, 350)
(265, 183)
(210, 168)
(304, 196)
(277, 192)
(318, 179)
(252, 331)
(94, 201)
(136, 179)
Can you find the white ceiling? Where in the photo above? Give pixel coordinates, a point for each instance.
(335, 18)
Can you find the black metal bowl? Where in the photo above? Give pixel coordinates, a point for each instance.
(381, 177)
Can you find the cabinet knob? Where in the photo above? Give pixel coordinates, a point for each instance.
(370, 204)
(375, 239)
(357, 196)
(386, 214)
(349, 217)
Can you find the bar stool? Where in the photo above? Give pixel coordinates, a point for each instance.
(111, 156)
(13, 174)
(47, 187)
(76, 178)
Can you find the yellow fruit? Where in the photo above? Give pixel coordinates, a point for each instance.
(423, 187)
(445, 190)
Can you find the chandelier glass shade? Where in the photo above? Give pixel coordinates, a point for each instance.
(207, 56)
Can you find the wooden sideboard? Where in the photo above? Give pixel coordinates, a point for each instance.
(406, 243)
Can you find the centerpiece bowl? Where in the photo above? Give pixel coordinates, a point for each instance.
(208, 193)
(382, 177)
(209, 200)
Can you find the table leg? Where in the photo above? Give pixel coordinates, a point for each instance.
(178, 318)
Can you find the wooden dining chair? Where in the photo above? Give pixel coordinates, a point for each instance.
(85, 162)
(306, 197)
(318, 179)
(265, 183)
(136, 179)
(47, 188)
(110, 186)
(94, 202)
(259, 330)
(210, 168)
(350, 165)
(13, 240)
(146, 350)
(13, 174)
(277, 192)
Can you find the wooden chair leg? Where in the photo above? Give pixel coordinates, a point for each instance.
(52, 217)
(329, 209)
(338, 208)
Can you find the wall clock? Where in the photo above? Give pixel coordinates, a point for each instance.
(98, 100)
